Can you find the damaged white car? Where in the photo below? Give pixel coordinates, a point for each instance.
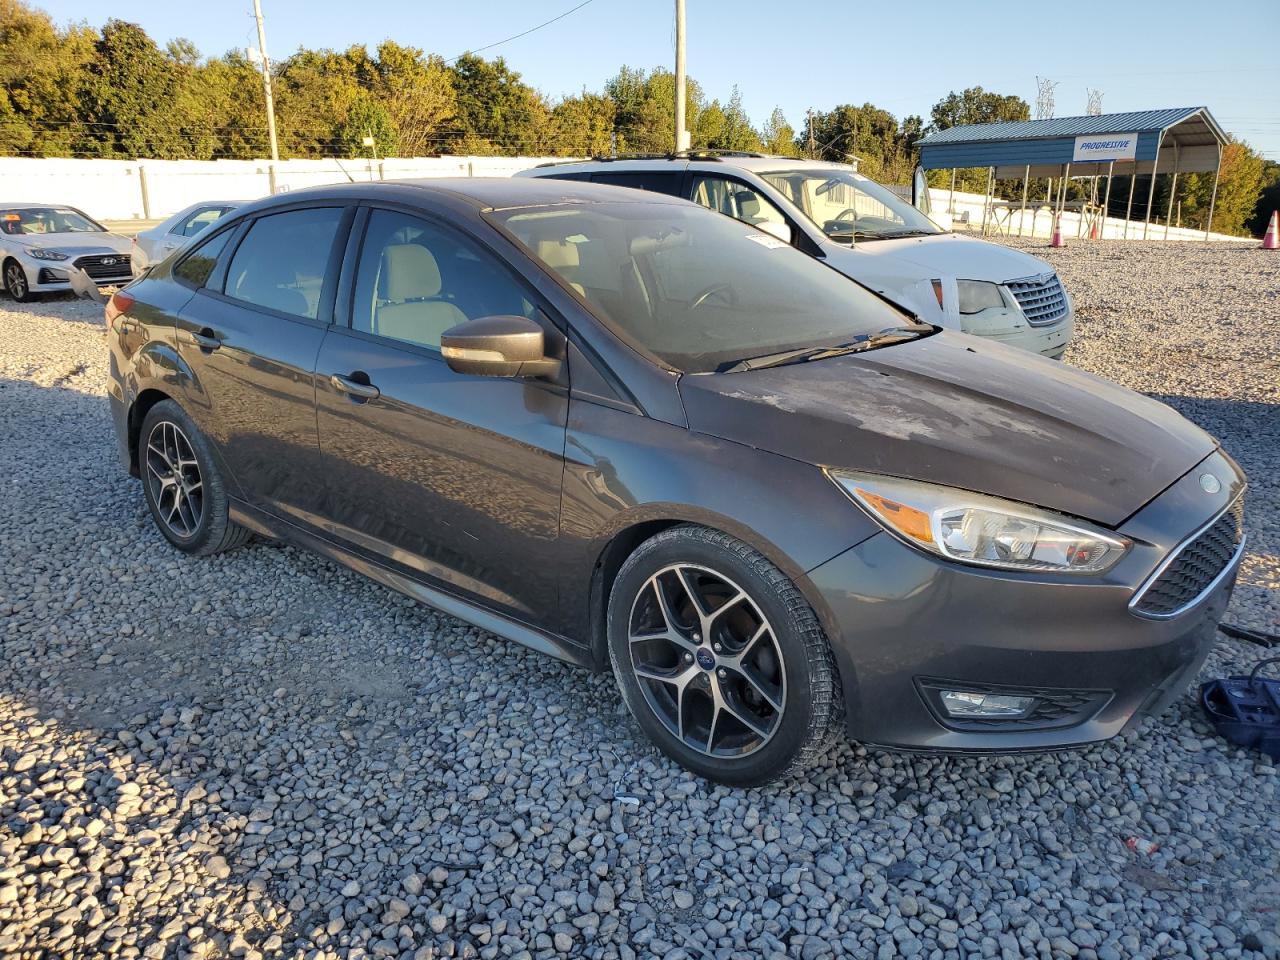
(46, 248)
(858, 227)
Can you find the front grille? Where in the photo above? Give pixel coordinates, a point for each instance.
(1042, 299)
(1194, 567)
(1055, 707)
(96, 267)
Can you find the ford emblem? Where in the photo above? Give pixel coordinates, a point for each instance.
(1209, 483)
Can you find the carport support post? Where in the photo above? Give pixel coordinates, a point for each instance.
(1151, 191)
(1173, 189)
(1106, 203)
(1128, 207)
(951, 203)
(1214, 195)
(1022, 214)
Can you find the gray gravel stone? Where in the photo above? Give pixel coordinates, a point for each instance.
(388, 781)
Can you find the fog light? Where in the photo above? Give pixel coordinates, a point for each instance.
(966, 703)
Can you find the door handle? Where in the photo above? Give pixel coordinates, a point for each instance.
(354, 388)
(205, 340)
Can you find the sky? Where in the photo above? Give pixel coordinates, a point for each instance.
(902, 57)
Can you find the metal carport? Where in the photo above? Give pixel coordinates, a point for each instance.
(1146, 142)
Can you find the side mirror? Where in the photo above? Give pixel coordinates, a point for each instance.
(501, 346)
(775, 229)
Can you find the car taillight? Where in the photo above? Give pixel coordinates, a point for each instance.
(119, 304)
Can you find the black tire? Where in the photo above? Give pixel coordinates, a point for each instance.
(15, 282)
(203, 527)
(806, 682)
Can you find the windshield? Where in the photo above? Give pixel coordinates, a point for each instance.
(37, 220)
(846, 205)
(698, 290)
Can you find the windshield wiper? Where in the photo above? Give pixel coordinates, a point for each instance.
(805, 354)
(899, 234)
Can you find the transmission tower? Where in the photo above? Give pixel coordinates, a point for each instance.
(1094, 107)
(1044, 97)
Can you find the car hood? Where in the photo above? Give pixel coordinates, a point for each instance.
(943, 255)
(959, 411)
(76, 244)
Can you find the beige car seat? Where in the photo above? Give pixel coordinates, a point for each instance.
(408, 307)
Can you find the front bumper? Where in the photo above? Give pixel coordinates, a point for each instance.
(50, 276)
(905, 623)
(1011, 328)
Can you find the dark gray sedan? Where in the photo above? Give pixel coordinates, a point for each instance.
(646, 438)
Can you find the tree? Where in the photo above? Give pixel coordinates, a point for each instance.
(725, 128)
(1240, 184)
(976, 105)
(40, 77)
(417, 92)
(496, 107)
(366, 117)
(646, 110)
(868, 133)
(778, 137)
(1268, 200)
(583, 126)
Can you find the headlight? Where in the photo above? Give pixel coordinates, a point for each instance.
(975, 295)
(982, 530)
(41, 254)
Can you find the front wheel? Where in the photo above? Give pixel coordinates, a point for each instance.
(15, 282)
(720, 659)
(181, 483)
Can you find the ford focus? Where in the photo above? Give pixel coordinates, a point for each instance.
(652, 440)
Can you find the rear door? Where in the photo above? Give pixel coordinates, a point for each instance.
(250, 336)
(454, 479)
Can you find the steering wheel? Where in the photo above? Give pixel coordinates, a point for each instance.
(711, 291)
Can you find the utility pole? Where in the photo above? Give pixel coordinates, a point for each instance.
(266, 86)
(682, 135)
(809, 117)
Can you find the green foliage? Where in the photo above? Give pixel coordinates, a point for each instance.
(78, 91)
(868, 133)
(976, 105)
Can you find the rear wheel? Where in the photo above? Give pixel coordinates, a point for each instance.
(15, 282)
(182, 485)
(720, 659)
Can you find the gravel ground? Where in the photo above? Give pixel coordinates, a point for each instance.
(264, 755)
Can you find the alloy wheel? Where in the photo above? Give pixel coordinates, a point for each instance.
(15, 281)
(707, 661)
(173, 474)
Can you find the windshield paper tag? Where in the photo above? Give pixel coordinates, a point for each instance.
(772, 243)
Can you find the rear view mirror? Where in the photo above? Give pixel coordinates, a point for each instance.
(502, 346)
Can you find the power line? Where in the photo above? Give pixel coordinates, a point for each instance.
(525, 33)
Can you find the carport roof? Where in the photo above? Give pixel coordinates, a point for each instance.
(1182, 138)
(1138, 121)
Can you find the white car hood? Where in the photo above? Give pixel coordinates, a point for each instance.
(902, 270)
(74, 244)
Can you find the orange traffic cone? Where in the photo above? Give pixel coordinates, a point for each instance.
(1272, 239)
(1057, 233)
(1093, 231)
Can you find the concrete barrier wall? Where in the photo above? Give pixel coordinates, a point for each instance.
(154, 189)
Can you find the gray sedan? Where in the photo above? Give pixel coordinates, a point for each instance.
(652, 440)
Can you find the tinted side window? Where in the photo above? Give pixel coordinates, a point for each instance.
(196, 266)
(280, 264)
(656, 180)
(415, 280)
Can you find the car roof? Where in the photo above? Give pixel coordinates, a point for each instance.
(482, 193)
(694, 161)
(27, 205)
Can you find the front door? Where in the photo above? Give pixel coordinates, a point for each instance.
(453, 478)
(250, 337)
